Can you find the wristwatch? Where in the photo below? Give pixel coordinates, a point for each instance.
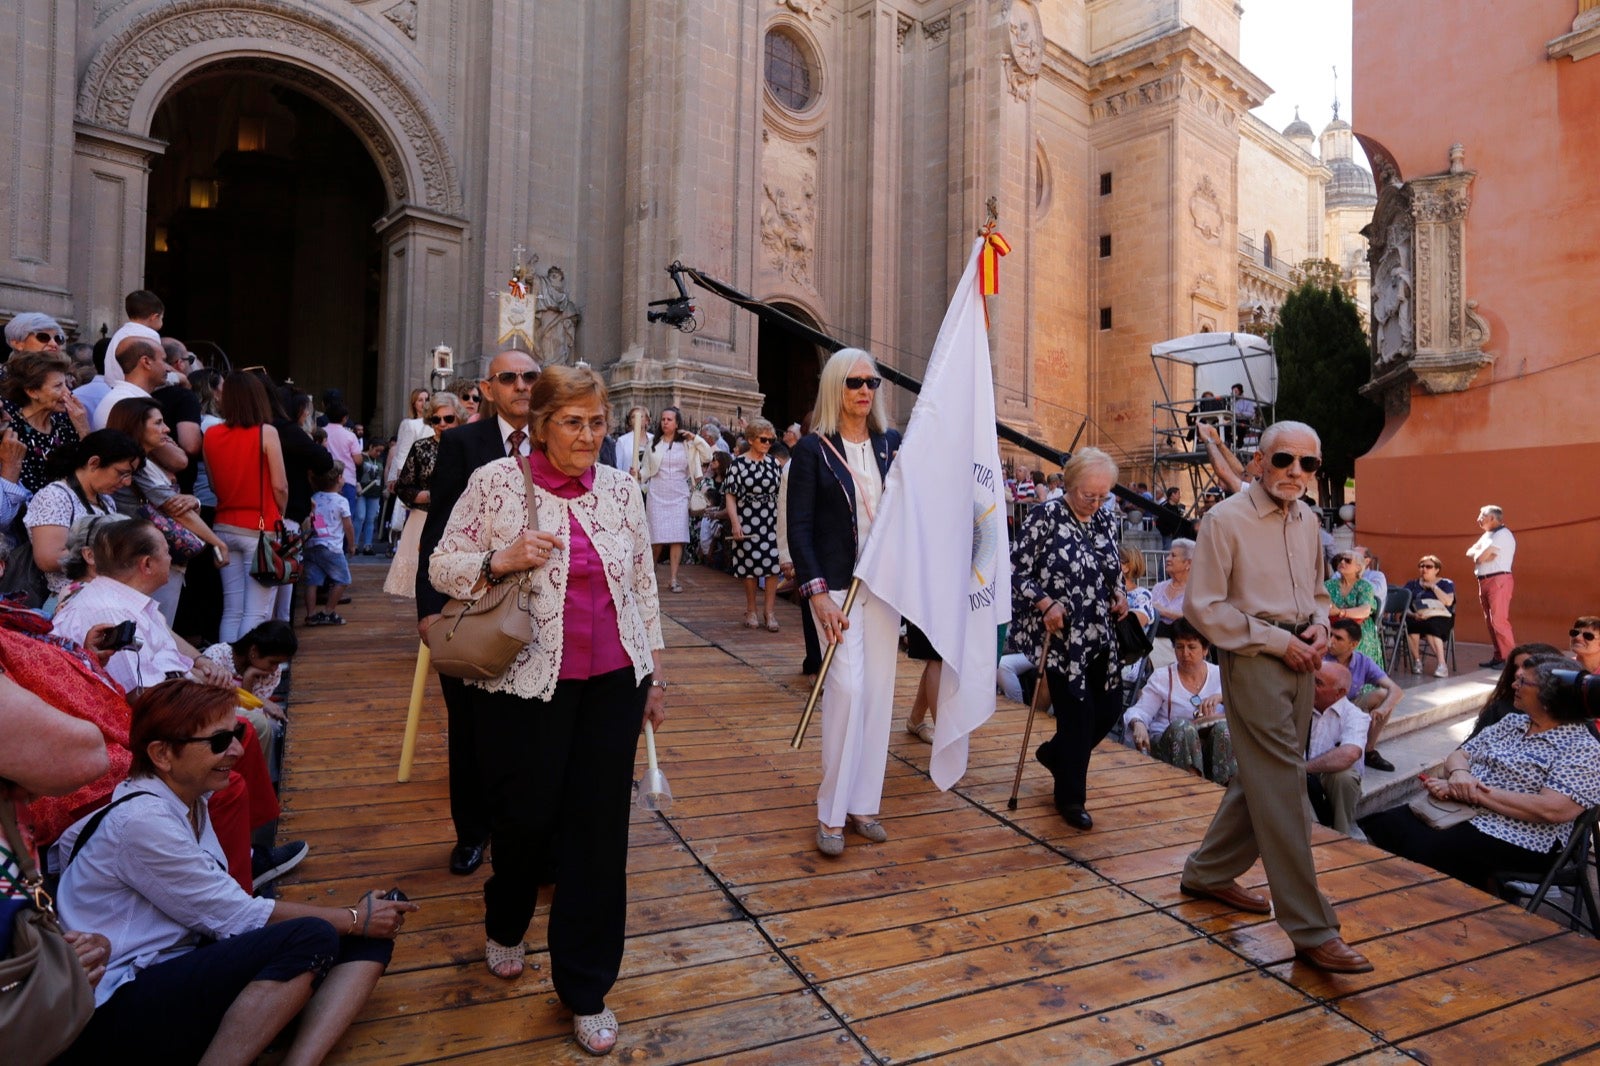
(662, 685)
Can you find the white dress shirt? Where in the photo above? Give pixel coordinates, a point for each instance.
(626, 449)
(122, 390)
(1165, 699)
(128, 329)
(1342, 723)
(506, 429)
(150, 885)
(107, 600)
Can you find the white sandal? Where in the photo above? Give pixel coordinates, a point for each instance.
(498, 955)
(588, 1030)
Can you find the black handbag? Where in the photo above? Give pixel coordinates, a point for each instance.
(1133, 640)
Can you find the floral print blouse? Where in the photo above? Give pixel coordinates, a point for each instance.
(1076, 564)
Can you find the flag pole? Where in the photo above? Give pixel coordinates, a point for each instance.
(408, 746)
(822, 675)
(1039, 687)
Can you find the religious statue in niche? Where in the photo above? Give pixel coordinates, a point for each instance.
(1393, 325)
(1026, 57)
(558, 317)
(808, 8)
(516, 307)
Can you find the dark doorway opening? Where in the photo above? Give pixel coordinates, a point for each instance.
(260, 236)
(787, 367)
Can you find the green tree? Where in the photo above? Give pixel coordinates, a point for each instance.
(1323, 360)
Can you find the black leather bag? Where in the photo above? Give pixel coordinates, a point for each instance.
(1133, 640)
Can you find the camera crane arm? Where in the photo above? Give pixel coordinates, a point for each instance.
(773, 316)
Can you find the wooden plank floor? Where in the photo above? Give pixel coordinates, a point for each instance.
(975, 935)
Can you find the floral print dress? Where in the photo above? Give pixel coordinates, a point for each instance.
(1076, 564)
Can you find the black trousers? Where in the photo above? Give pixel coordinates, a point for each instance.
(469, 806)
(1462, 851)
(1080, 725)
(808, 628)
(559, 776)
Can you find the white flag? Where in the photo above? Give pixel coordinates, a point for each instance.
(937, 551)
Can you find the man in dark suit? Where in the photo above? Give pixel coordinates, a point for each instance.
(507, 385)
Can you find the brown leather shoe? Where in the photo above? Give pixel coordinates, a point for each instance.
(1335, 956)
(1233, 895)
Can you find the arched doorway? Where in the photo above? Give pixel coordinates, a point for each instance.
(787, 366)
(259, 233)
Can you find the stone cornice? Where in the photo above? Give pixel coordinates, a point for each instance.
(1583, 41)
(1192, 50)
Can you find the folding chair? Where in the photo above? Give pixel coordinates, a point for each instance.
(1393, 625)
(1570, 871)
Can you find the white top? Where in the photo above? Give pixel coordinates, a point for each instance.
(626, 449)
(56, 504)
(869, 485)
(328, 513)
(1165, 699)
(411, 431)
(107, 600)
(1164, 596)
(150, 885)
(128, 329)
(783, 518)
(122, 390)
(1379, 583)
(1342, 723)
(1505, 546)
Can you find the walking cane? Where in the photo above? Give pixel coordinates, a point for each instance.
(1039, 688)
(827, 661)
(408, 747)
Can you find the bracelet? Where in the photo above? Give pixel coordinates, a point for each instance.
(353, 917)
(662, 685)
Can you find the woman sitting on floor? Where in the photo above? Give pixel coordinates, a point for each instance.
(199, 968)
(1178, 717)
(1532, 773)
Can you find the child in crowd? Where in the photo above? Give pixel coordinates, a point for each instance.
(334, 537)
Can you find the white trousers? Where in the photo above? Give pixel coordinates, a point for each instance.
(857, 706)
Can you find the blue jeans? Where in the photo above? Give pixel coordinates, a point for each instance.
(365, 519)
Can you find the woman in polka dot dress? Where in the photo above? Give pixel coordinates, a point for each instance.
(750, 493)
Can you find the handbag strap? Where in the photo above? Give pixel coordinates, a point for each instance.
(860, 496)
(31, 882)
(93, 827)
(261, 519)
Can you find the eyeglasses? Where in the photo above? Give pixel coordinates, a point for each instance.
(471, 397)
(1096, 497)
(766, 440)
(44, 336)
(859, 383)
(511, 377)
(447, 420)
(575, 426)
(220, 741)
(1308, 463)
(1583, 634)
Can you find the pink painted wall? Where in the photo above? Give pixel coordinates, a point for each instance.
(1526, 434)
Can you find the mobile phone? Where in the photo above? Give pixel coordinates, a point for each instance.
(118, 636)
(396, 895)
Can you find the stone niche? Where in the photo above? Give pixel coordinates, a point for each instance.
(1424, 329)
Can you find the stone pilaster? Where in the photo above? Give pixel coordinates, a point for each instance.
(110, 192)
(419, 307)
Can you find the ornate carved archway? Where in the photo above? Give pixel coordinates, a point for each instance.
(330, 59)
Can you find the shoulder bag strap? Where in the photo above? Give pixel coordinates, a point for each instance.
(860, 496)
(261, 519)
(18, 847)
(94, 824)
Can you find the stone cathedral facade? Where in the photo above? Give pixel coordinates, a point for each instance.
(334, 188)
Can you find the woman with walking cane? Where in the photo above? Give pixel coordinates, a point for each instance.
(1066, 584)
(836, 478)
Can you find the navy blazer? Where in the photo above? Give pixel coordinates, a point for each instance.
(822, 510)
(461, 451)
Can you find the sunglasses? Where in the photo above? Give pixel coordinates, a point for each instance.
(441, 420)
(45, 337)
(1586, 634)
(766, 440)
(511, 377)
(1310, 464)
(220, 741)
(858, 383)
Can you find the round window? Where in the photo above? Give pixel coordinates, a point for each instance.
(789, 71)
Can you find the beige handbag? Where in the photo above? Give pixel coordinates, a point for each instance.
(479, 639)
(1442, 813)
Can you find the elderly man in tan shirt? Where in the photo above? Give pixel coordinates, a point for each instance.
(1256, 591)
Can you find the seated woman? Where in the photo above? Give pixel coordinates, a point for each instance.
(1432, 614)
(1532, 773)
(1585, 634)
(83, 478)
(1179, 716)
(199, 968)
(1501, 697)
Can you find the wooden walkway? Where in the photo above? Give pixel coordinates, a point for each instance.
(975, 935)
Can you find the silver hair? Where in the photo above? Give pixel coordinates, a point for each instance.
(1183, 543)
(1278, 429)
(830, 392)
(1085, 461)
(18, 328)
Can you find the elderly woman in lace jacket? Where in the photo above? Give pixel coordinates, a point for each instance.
(557, 732)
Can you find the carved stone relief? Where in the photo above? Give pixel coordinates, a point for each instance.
(1026, 57)
(789, 209)
(1170, 86)
(404, 15)
(902, 30)
(808, 8)
(1205, 208)
(937, 29)
(124, 64)
(557, 319)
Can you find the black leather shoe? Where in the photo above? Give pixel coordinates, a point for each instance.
(1493, 664)
(1077, 817)
(465, 858)
(1378, 762)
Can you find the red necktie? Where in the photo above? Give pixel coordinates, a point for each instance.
(514, 442)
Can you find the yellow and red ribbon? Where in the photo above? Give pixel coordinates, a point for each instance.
(994, 246)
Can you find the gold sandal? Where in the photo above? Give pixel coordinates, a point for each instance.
(589, 1031)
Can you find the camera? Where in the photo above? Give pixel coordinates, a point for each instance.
(677, 312)
(120, 636)
(1580, 685)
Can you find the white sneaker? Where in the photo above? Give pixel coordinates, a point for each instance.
(1442, 671)
(1416, 666)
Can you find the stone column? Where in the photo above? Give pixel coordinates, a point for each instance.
(110, 187)
(419, 306)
